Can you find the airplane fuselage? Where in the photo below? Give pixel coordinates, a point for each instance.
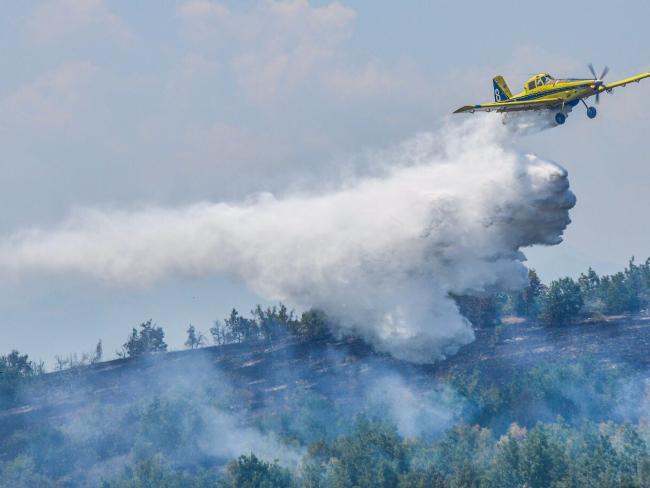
(568, 91)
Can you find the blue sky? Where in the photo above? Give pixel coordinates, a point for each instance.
(124, 104)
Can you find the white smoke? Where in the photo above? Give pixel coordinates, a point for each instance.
(381, 254)
(415, 413)
(531, 122)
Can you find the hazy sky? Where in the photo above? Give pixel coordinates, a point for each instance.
(126, 104)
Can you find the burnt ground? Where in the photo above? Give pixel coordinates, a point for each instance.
(276, 375)
(622, 341)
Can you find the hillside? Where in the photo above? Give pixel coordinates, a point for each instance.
(191, 412)
(274, 374)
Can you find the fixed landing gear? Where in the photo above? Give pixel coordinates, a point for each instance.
(591, 111)
(560, 118)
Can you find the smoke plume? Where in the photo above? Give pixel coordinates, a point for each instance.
(380, 254)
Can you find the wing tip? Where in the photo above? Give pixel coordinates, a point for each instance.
(464, 109)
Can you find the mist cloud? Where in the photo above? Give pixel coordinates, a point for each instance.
(381, 254)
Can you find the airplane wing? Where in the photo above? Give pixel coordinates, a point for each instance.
(624, 82)
(511, 106)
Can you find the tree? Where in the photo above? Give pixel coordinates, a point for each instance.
(240, 329)
(482, 310)
(528, 300)
(219, 333)
(505, 472)
(425, 478)
(621, 294)
(149, 339)
(15, 370)
(251, 472)
(562, 302)
(542, 462)
(99, 353)
(589, 284)
(16, 364)
(313, 324)
(194, 339)
(372, 455)
(274, 322)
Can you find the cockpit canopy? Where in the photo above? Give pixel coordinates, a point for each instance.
(538, 81)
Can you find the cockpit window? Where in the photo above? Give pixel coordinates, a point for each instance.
(531, 85)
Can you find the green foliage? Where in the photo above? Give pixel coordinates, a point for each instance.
(274, 323)
(270, 324)
(529, 300)
(482, 310)
(575, 391)
(251, 472)
(15, 371)
(373, 455)
(624, 292)
(541, 461)
(427, 478)
(149, 339)
(157, 472)
(163, 438)
(551, 425)
(168, 424)
(313, 324)
(562, 302)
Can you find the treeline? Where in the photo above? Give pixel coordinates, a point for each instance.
(265, 324)
(373, 455)
(564, 300)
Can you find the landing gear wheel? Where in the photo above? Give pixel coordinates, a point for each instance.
(591, 112)
(560, 118)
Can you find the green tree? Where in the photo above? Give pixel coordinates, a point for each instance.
(562, 302)
(506, 471)
(425, 478)
(149, 339)
(157, 472)
(482, 310)
(194, 339)
(274, 322)
(528, 300)
(313, 324)
(171, 426)
(240, 329)
(251, 472)
(15, 370)
(373, 455)
(464, 455)
(542, 463)
(589, 284)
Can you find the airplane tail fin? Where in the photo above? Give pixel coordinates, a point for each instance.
(501, 90)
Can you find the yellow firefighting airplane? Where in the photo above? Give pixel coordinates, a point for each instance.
(543, 92)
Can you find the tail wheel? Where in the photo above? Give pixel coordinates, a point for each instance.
(560, 118)
(591, 112)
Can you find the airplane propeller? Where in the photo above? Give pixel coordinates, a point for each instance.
(598, 79)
